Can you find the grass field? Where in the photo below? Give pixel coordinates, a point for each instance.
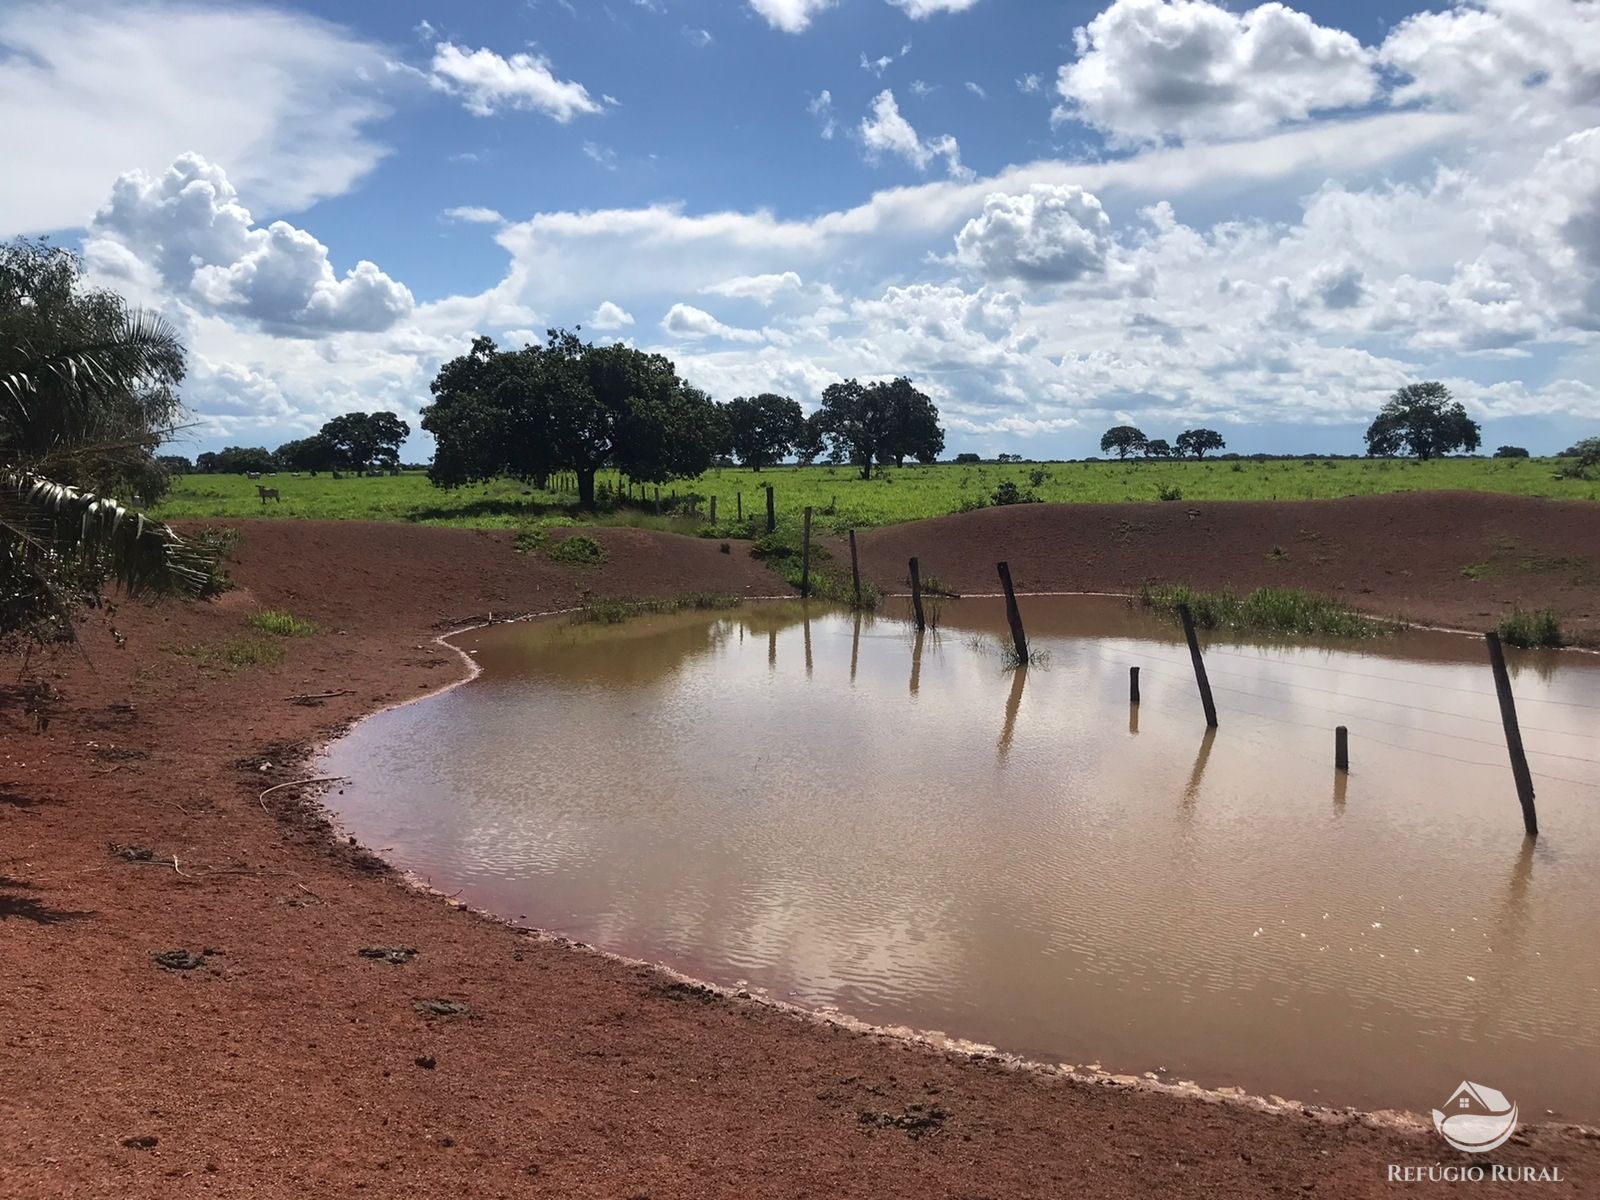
(843, 500)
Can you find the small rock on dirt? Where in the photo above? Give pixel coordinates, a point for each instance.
(179, 960)
(441, 1008)
(426, 1061)
(134, 853)
(144, 1142)
(398, 955)
(918, 1120)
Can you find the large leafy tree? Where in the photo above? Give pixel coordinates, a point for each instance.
(314, 453)
(1198, 441)
(361, 440)
(869, 424)
(568, 405)
(88, 391)
(1422, 419)
(1124, 439)
(764, 429)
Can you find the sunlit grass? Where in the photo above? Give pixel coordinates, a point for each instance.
(1266, 610)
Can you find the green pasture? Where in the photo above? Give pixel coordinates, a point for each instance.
(843, 500)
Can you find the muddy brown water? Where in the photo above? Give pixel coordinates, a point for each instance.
(827, 809)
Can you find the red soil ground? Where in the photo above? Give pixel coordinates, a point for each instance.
(287, 1065)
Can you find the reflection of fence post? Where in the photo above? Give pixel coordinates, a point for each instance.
(855, 568)
(1341, 748)
(772, 512)
(916, 595)
(1133, 685)
(1019, 639)
(805, 556)
(1508, 718)
(713, 510)
(1199, 665)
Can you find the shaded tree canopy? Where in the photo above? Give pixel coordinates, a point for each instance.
(878, 423)
(314, 453)
(568, 405)
(764, 429)
(1198, 441)
(1124, 439)
(361, 440)
(1422, 419)
(1157, 448)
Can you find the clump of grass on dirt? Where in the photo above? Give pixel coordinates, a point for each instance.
(1265, 610)
(529, 540)
(782, 551)
(281, 624)
(235, 654)
(579, 550)
(1531, 630)
(612, 611)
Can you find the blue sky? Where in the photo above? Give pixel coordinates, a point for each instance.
(1054, 216)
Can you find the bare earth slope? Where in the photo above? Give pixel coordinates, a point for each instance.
(289, 1066)
(1388, 555)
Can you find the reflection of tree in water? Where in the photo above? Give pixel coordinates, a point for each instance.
(637, 653)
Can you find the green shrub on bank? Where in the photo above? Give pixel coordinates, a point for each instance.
(1530, 630)
(1265, 610)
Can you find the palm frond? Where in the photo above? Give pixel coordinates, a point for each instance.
(51, 521)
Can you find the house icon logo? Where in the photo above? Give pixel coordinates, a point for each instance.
(1476, 1119)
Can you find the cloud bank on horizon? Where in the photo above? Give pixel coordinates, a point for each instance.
(1162, 211)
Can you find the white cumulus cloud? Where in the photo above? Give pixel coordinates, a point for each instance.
(886, 131)
(486, 83)
(1048, 234)
(609, 317)
(763, 289)
(188, 226)
(687, 321)
(1158, 70)
(791, 16)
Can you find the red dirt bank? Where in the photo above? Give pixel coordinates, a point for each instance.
(288, 1066)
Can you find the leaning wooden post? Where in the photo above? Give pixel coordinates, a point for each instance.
(772, 512)
(713, 510)
(1019, 639)
(1199, 665)
(916, 595)
(805, 556)
(738, 506)
(855, 568)
(1133, 685)
(1508, 718)
(1341, 748)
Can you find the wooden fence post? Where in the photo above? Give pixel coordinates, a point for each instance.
(1508, 718)
(1199, 665)
(713, 510)
(738, 506)
(1133, 685)
(805, 556)
(855, 568)
(1341, 748)
(772, 512)
(1019, 639)
(916, 595)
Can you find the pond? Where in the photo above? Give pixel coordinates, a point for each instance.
(831, 810)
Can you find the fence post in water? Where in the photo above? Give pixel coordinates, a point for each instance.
(772, 512)
(1019, 639)
(916, 595)
(1199, 665)
(805, 557)
(713, 510)
(855, 568)
(1133, 685)
(1341, 748)
(1508, 718)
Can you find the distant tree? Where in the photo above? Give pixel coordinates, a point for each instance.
(1157, 448)
(568, 405)
(1422, 419)
(314, 453)
(879, 423)
(1587, 452)
(1124, 439)
(813, 443)
(1511, 452)
(362, 441)
(241, 460)
(1198, 441)
(1008, 458)
(175, 464)
(763, 429)
(968, 457)
(206, 464)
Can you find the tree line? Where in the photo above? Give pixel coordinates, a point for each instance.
(571, 406)
(362, 443)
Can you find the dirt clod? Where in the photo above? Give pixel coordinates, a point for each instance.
(918, 1120)
(441, 1008)
(179, 960)
(397, 955)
